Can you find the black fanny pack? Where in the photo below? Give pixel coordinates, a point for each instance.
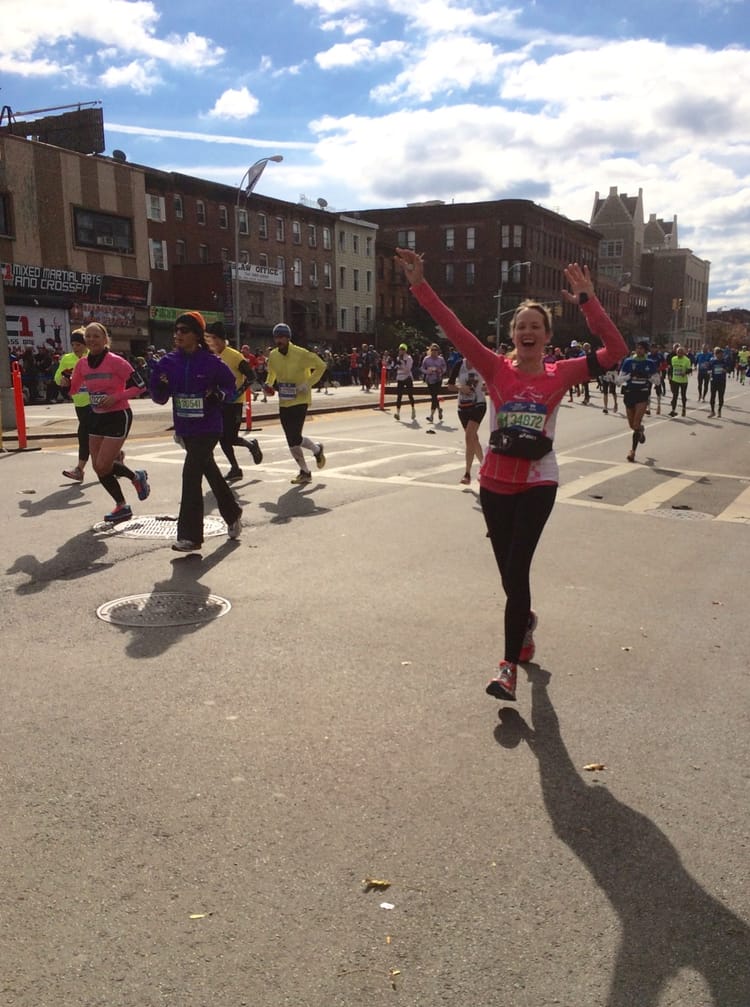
(518, 443)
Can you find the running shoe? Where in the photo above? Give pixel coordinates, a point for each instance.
(641, 435)
(397, 415)
(233, 475)
(185, 545)
(121, 513)
(528, 647)
(75, 474)
(414, 414)
(320, 458)
(254, 449)
(302, 479)
(631, 456)
(140, 481)
(234, 530)
(466, 479)
(440, 413)
(504, 685)
(430, 418)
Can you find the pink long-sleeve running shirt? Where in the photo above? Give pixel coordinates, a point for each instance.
(109, 378)
(530, 400)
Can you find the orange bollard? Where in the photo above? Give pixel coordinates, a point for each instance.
(248, 409)
(383, 378)
(20, 408)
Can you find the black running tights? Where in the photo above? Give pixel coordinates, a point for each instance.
(515, 522)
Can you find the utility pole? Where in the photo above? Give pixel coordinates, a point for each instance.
(6, 388)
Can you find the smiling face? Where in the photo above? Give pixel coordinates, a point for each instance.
(530, 333)
(96, 337)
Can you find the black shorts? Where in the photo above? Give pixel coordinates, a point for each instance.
(475, 413)
(633, 396)
(292, 420)
(115, 424)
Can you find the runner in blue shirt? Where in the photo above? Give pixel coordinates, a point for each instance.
(703, 361)
(718, 370)
(637, 373)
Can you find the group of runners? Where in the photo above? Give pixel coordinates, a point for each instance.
(205, 380)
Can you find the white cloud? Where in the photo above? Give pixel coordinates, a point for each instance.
(361, 50)
(139, 75)
(36, 36)
(235, 103)
(346, 25)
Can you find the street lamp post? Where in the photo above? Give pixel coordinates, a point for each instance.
(249, 181)
(499, 298)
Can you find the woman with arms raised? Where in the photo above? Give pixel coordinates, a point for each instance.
(519, 476)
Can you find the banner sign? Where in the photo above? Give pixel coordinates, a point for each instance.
(259, 274)
(114, 316)
(159, 313)
(92, 287)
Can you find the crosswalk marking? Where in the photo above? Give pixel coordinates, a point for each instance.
(658, 495)
(738, 510)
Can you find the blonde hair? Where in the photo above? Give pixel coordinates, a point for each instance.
(99, 328)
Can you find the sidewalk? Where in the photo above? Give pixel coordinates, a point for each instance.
(59, 421)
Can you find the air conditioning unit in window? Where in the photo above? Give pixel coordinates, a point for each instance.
(105, 239)
(313, 281)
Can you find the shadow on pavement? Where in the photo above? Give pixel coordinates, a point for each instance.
(76, 557)
(668, 921)
(294, 503)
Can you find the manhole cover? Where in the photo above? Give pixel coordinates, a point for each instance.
(682, 515)
(163, 608)
(166, 527)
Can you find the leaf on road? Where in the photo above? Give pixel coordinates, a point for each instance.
(375, 884)
(594, 767)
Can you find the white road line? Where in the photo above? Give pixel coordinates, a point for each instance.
(738, 510)
(658, 495)
(588, 482)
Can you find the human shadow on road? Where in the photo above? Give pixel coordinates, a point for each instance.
(293, 504)
(186, 574)
(68, 498)
(77, 557)
(668, 921)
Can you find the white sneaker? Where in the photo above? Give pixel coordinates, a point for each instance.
(185, 545)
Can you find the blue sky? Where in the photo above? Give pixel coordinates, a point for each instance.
(379, 104)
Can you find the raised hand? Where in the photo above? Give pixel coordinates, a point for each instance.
(579, 280)
(412, 265)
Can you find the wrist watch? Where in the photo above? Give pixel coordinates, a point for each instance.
(583, 297)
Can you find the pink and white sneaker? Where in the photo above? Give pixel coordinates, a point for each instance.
(528, 647)
(504, 685)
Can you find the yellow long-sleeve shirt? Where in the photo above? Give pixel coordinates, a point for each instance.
(295, 372)
(67, 363)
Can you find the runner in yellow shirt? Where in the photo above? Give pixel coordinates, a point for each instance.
(244, 375)
(81, 401)
(292, 371)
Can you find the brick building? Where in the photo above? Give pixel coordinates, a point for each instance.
(481, 258)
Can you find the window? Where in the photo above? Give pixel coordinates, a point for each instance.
(281, 266)
(6, 226)
(450, 273)
(263, 260)
(180, 252)
(223, 217)
(407, 239)
(312, 236)
(342, 241)
(200, 211)
(471, 238)
(471, 274)
(262, 225)
(343, 319)
(179, 210)
(450, 238)
(297, 272)
(327, 276)
(368, 318)
(242, 222)
(155, 207)
(296, 232)
(256, 303)
(368, 281)
(280, 229)
(342, 277)
(244, 257)
(355, 279)
(505, 236)
(157, 253)
(203, 254)
(517, 236)
(313, 274)
(327, 239)
(103, 231)
(355, 244)
(329, 315)
(368, 246)
(356, 319)
(610, 249)
(225, 255)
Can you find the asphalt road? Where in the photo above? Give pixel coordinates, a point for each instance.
(190, 812)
